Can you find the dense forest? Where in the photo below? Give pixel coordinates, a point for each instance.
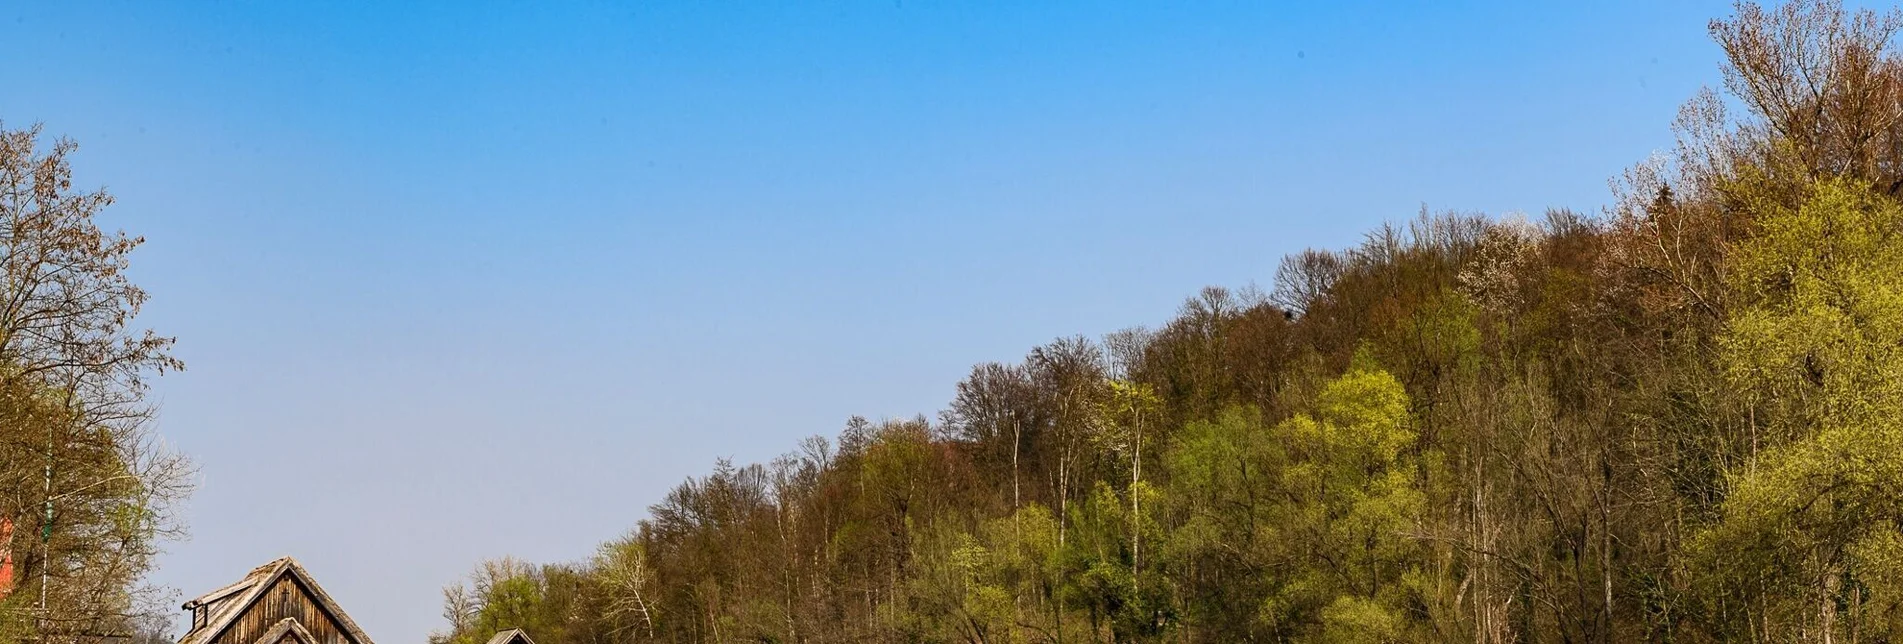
(1680, 419)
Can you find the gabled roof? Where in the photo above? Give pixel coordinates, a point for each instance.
(288, 626)
(511, 636)
(231, 601)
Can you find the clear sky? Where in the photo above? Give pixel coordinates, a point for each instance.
(465, 280)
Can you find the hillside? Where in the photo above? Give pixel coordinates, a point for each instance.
(1677, 420)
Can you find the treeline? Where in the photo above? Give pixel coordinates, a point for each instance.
(87, 493)
(1678, 420)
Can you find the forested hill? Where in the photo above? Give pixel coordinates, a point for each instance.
(1677, 420)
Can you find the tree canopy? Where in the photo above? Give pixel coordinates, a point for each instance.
(87, 488)
(1677, 420)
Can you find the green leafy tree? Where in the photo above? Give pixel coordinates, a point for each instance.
(1809, 532)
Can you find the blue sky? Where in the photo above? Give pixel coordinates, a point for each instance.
(464, 280)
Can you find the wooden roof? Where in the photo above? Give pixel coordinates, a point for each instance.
(239, 604)
(511, 636)
(288, 629)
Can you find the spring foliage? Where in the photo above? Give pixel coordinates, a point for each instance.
(1678, 420)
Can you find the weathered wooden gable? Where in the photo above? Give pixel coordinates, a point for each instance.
(278, 603)
(286, 598)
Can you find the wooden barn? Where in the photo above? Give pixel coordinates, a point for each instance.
(511, 636)
(277, 603)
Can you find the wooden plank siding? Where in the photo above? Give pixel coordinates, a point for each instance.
(285, 598)
(276, 603)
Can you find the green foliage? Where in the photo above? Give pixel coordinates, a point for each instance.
(1810, 527)
(1354, 504)
(1682, 421)
(88, 491)
(1103, 577)
(984, 587)
(1319, 511)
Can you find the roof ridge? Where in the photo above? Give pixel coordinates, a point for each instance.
(260, 579)
(271, 564)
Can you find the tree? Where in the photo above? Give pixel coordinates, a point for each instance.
(79, 467)
(1674, 422)
(1809, 533)
(621, 568)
